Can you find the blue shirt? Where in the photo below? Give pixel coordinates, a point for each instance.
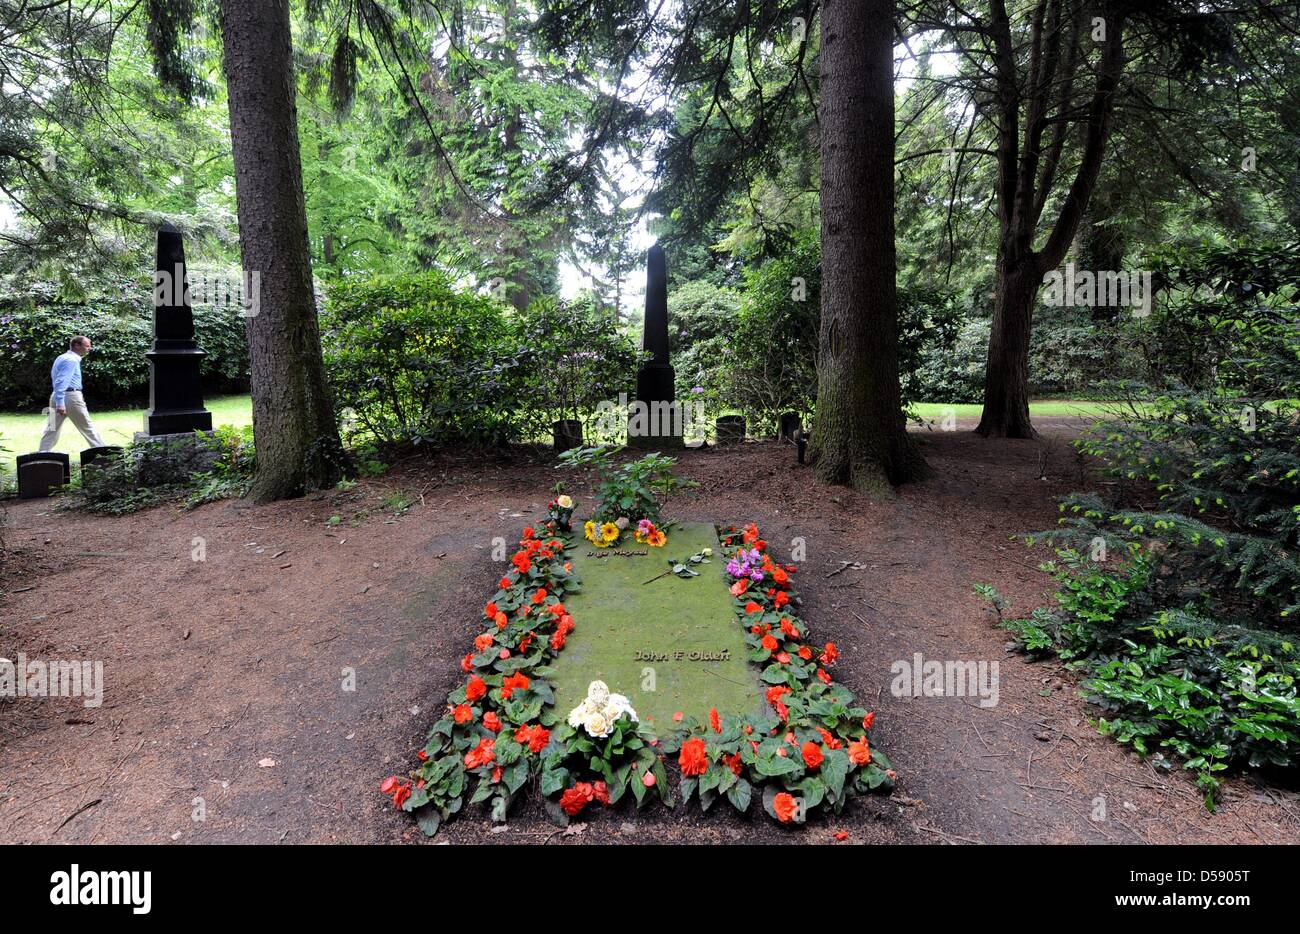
(66, 375)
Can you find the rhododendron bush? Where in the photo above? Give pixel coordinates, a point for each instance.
(809, 749)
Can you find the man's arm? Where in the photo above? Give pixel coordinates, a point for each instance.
(62, 377)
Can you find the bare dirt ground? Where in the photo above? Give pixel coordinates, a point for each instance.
(225, 677)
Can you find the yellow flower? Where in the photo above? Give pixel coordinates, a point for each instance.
(589, 530)
(609, 532)
(564, 502)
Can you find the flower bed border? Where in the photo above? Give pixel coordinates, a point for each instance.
(500, 728)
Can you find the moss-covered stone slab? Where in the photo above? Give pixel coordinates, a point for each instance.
(669, 645)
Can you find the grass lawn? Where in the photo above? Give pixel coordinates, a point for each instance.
(21, 432)
(1045, 408)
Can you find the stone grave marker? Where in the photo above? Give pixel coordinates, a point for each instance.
(59, 456)
(170, 447)
(37, 477)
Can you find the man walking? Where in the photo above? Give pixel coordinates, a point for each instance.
(66, 401)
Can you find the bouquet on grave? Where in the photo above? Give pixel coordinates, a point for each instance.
(630, 497)
(599, 754)
(606, 534)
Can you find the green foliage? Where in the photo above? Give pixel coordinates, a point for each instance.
(497, 732)
(1227, 316)
(1183, 614)
(955, 373)
(701, 317)
(929, 325)
(95, 150)
(109, 488)
(770, 350)
(754, 350)
(571, 357)
(484, 147)
(415, 361)
(350, 206)
(1071, 353)
(619, 760)
(232, 473)
(1178, 678)
(633, 490)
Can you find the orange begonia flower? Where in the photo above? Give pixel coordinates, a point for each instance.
(859, 752)
(693, 759)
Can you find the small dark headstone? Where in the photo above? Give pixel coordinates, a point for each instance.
(106, 452)
(730, 429)
(789, 426)
(567, 433)
(36, 478)
(59, 456)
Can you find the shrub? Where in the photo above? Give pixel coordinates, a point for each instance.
(112, 487)
(572, 357)
(700, 317)
(1188, 633)
(763, 356)
(1069, 354)
(232, 473)
(1217, 309)
(769, 353)
(36, 325)
(929, 326)
(415, 361)
(1063, 352)
(955, 372)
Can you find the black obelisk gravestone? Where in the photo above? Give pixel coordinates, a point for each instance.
(175, 389)
(653, 422)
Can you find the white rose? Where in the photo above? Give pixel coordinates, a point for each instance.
(707, 552)
(579, 713)
(598, 693)
(621, 522)
(596, 724)
(565, 502)
(617, 705)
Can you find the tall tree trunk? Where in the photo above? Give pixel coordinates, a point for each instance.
(297, 438)
(1006, 381)
(1026, 174)
(860, 437)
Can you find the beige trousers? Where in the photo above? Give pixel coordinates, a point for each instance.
(78, 414)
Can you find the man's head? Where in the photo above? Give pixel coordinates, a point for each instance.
(80, 345)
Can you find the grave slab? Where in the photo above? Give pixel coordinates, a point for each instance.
(679, 628)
